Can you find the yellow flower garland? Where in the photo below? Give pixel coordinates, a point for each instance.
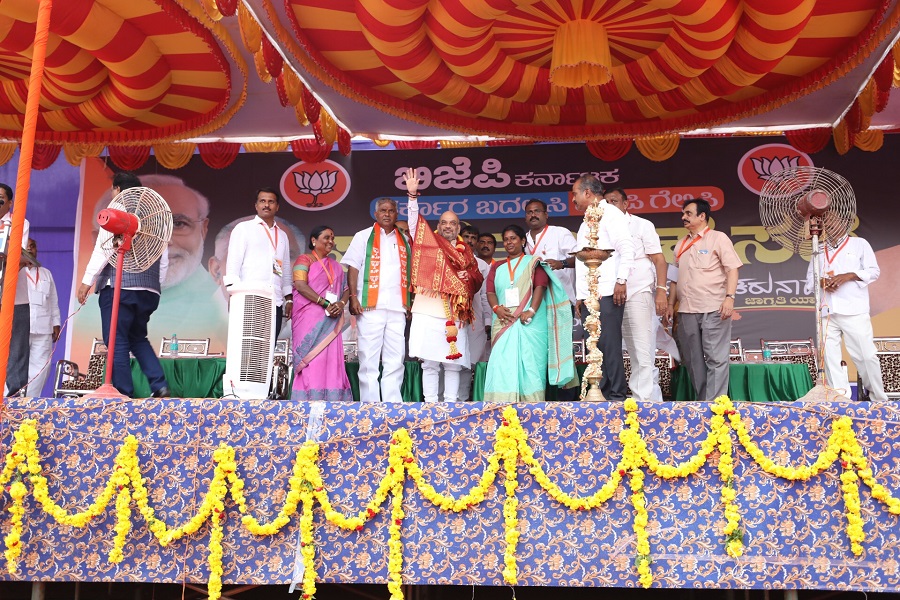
(306, 488)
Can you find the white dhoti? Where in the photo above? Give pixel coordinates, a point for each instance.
(41, 345)
(856, 331)
(428, 341)
(380, 338)
(638, 326)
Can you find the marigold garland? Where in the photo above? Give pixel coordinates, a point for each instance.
(23, 465)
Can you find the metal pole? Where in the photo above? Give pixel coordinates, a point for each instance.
(37, 590)
(817, 292)
(23, 182)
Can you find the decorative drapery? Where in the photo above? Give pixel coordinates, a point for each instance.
(870, 140)
(75, 152)
(609, 150)
(344, 142)
(658, 148)
(174, 156)
(7, 150)
(809, 140)
(219, 155)
(310, 150)
(676, 65)
(44, 156)
(129, 158)
(265, 146)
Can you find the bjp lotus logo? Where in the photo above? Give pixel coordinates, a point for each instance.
(763, 162)
(315, 186)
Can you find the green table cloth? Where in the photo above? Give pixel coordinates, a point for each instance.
(202, 378)
(756, 382)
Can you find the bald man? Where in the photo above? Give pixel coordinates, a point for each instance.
(446, 279)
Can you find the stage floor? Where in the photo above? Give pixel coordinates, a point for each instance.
(671, 529)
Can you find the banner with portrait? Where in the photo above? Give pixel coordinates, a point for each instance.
(488, 187)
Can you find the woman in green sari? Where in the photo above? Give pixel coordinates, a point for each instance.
(531, 335)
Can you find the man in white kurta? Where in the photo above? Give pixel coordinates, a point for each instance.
(259, 251)
(381, 316)
(645, 298)
(612, 281)
(551, 244)
(45, 322)
(847, 267)
(428, 338)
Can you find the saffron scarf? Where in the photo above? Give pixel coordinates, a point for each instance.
(435, 269)
(372, 278)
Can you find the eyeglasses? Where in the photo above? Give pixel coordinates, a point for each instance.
(534, 212)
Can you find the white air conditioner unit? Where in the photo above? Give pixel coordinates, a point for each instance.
(251, 341)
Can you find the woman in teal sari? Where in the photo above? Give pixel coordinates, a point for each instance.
(531, 335)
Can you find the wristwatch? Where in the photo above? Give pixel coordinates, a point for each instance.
(729, 296)
(621, 281)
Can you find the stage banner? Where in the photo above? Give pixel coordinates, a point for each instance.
(488, 188)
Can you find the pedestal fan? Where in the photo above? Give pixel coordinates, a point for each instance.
(795, 205)
(135, 230)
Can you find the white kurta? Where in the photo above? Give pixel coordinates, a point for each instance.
(44, 310)
(613, 234)
(259, 253)
(846, 315)
(554, 243)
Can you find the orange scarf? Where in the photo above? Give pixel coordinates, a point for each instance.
(372, 281)
(435, 267)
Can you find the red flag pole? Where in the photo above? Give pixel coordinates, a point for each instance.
(23, 183)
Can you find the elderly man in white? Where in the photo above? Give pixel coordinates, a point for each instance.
(848, 266)
(45, 322)
(614, 272)
(645, 298)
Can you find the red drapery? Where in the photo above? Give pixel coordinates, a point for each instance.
(343, 141)
(310, 151)
(809, 140)
(219, 155)
(415, 144)
(129, 158)
(44, 156)
(609, 150)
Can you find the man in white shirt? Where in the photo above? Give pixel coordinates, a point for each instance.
(17, 365)
(481, 326)
(551, 244)
(613, 278)
(45, 322)
(259, 251)
(847, 265)
(138, 300)
(378, 263)
(645, 297)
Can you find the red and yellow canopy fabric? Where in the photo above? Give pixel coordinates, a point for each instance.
(117, 71)
(530, 68)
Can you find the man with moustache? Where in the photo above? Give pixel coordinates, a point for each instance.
(446, 279)
(486, 246)
(551, 244)
(707, 280)
(45, 322)
(378, 263)
(259, 252)
(613, 235)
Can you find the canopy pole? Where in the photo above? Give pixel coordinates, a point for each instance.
(23, 183)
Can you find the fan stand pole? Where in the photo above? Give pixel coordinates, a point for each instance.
(107, 390)
(817, 293)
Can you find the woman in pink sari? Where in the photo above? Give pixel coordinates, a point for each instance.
(320, 294)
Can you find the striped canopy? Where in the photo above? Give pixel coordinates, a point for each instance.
(490, 66)
(117, 71)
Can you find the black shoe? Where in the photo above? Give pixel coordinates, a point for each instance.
(162, 392)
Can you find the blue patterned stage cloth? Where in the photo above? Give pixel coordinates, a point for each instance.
(795, 533)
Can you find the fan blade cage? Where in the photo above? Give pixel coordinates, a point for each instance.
(782, 206)
(154, 229)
